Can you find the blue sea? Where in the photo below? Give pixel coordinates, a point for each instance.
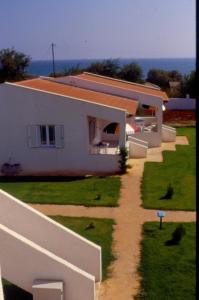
(183, 65)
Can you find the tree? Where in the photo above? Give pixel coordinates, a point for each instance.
(175, 75)
(68, 71)
(159, 77)
(169, 81)
(107, 67)
(189, 84)
(131, 72)
(13, 65)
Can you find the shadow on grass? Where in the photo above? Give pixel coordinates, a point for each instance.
(45, 178)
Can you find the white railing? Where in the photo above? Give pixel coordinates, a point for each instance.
(168, 127)
(23, 262)
(50, 235)
(139, 141)
(103, 150)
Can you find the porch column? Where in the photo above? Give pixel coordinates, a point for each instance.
(122, 136)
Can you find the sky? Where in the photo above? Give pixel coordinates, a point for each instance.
(99, 28)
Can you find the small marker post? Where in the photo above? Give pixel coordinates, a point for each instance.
(161, 215)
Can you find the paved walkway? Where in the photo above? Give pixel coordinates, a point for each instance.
(129, 216)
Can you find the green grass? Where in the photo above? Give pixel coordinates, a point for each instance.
(74, 192)
(178, 169)
(168, 272)
(101, 234)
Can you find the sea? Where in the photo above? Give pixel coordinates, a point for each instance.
(183, 65)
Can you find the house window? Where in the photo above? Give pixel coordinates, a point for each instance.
(45, 136)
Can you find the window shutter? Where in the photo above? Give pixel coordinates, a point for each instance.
(33, 136)
(59, 136)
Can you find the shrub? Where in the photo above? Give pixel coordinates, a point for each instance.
(169, 193)
(177, 235)
(123, 159)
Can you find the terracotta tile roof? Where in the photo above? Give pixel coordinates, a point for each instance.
(82, 94)
(124, 84)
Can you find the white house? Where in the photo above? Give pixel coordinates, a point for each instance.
(75, 125)
(48, 128)
(148, 119)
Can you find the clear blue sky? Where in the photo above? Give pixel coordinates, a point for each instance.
(99, 28)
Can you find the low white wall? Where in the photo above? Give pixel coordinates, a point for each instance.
(181, 104)
(45, 289)
(153, 138)
(168, 135)
(50, 235)
(137, 150)
(133, 139)
(1, 287)
(23, 261)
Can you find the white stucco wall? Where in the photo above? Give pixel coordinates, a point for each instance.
(168, 134)
(181, 104)
(20, 107)
(153, 138)
(137, 150)
(23, 261)
(50, 235)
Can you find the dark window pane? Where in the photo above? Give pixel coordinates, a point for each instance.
(43, 135)
(51, 130)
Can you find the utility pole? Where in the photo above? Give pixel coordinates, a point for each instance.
(53, 56)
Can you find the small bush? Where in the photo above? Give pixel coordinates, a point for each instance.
(123, 159)
(90, 226)
(177, 235)
(97, 197)
(169, 193)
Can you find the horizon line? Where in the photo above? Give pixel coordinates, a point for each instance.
(110, 58)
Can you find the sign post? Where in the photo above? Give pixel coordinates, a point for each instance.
(161, 215)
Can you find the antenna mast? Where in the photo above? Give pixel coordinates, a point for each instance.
(53, 56)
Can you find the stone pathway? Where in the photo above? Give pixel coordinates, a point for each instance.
(129, 216)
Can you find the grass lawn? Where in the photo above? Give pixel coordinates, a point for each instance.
(76, 192)
(101, 234)
(177, 169)
(168, 272)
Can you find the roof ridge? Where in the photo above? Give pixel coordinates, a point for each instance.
(124, 81)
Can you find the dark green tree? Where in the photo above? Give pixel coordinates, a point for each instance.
(131, 72)
(175, 75)
(159, 77)
(107, 67)
(13, 65)
(68, 71)
(189, 84)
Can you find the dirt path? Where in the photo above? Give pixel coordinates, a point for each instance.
(129, 216)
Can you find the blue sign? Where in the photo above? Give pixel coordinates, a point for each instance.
(161, 214)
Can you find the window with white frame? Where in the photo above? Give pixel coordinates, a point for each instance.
(43, 136)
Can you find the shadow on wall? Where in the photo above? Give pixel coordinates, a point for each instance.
(12, 292)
